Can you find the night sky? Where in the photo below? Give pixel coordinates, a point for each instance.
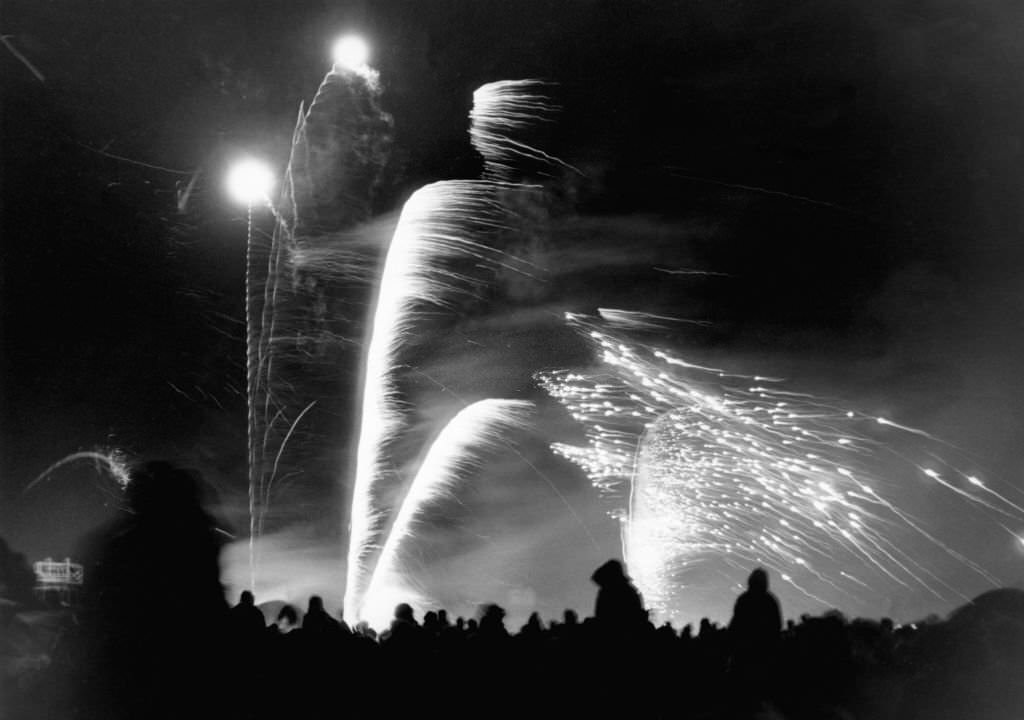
(850, 176)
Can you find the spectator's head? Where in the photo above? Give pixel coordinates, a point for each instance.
(246, 599)
(570, 617)
(609, 574)
(316, 605)
(758, 581)
(287, 618)
(404, 613)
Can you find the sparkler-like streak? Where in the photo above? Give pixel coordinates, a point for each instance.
(460, 446)
(501, 110)
(338, 148)
(436, 225)
(114, 462)
(718, 465)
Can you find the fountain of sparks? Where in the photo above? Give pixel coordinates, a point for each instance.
(712, 466)
(439, 224)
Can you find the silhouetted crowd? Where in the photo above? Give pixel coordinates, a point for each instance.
(154, 638)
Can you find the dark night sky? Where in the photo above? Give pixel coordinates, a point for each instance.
(854, 169)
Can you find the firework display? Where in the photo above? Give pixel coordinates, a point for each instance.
(716, 468)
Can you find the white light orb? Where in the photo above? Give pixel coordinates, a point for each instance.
(250, 181)
(351, 52)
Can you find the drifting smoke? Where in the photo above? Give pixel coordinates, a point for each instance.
(733, 470)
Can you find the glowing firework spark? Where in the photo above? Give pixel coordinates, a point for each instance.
(501, 110)
(727, 467)
(113, 461)
(459, 447)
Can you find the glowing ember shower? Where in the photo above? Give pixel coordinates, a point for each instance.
(734, 470)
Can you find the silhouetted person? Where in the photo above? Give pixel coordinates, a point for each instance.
(754, 634)
(155, 610)
(287, 619)
(316, 621)
(246, 618)
(492, 622)
(405, 633)
(533, 628)
(619, 607)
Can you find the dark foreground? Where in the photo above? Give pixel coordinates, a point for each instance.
(147, 644)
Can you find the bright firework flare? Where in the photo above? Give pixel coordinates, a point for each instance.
(250, 181)
(718, 466)
(477, 429)
(352, 53)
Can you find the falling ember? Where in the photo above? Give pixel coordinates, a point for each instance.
(709, 467)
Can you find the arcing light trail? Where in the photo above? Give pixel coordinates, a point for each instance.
(435, 227)
(438, 224)
(712, 466)
(478, 428)
(114, 462)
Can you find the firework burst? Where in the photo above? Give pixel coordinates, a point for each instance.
(718, 467)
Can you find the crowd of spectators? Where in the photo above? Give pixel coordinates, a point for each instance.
(159, 645)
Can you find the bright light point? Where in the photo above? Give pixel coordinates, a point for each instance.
(973, 480)
(250, 181)
(351, 53)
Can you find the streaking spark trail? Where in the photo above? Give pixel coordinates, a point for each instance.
(439, 226)
(712, 467)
